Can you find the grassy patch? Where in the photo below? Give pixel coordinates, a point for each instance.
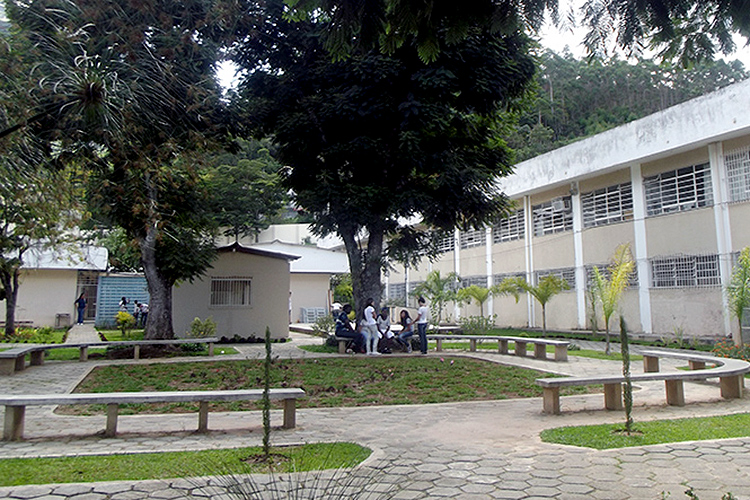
(320, 348)
(328, 382)
(614, 356)
(607, 436)
(116, 335)
(139, 467)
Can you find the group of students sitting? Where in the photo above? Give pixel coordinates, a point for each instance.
(373, 335)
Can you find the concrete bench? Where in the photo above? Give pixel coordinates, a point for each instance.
(15, 406)
(14, 359)
(729, 371)
(540, 345)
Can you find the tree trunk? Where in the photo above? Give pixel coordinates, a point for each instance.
(10, 283)
(544, 319)
(365, 266)
(738, 340)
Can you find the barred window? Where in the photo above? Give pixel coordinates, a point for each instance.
(499, 278)
(396, 290)
(607, 206)
(604, 270)
(566, 273)
(473, 238)
(553, 216)
(737, 164)
(679, 190)
(480, 281)
(413, 285)
(446, 244)
(510, 228)
(684, 271)
(230, 292)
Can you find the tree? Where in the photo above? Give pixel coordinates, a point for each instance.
(477, 293)
(608, 288)
(375, 140)
(738, 291)
(438, 290)
(548, 287)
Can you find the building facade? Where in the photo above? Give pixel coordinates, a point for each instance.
(674, 185)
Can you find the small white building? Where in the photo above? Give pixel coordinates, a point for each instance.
(245, 291)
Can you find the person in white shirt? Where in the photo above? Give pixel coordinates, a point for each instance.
(369, 328)
(422, 319)
(385, 332)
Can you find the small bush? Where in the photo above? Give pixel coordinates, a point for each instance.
(193, 347)
(125, 322)
(42, 335)
(202, 329)
(477, 325)
(727, 349)
(324, 326)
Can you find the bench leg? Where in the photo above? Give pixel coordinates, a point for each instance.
(561, 353)
(20, 363)
(290, 414)
(613, 396)
(83, 355)
(520, 349)
(136, 352)
(210, 348)
(37, 358)
(13, 428)
(112, 410)
(342, 346)
(696, 365)
(7, 366)
(439, 344)
(650, 364)
(203, 417)
(502, 346)
(675, 392)
(540, 351)
(551, 400)
(731, 387)
(473, 345)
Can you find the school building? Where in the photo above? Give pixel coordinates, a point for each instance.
(674, 185)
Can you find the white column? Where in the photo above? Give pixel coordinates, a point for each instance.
(406, 286)
(578, 252)
(641, 251)
(528, 228)
(488, 261)
(456, 266)
(721, 219)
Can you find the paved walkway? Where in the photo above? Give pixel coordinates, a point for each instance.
(80, 334)
(488, 449)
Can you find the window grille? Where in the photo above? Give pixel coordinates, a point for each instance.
(480, 281)
(230, 292)
(473, 238)
(510, 228)
(685, 271)
(446, 244)
(604, 270)
(737, 164)
(678, 190)
(499, 278)
(413, 285)
(608, 205)
(553, 216)
(567, 273)
(396, 290)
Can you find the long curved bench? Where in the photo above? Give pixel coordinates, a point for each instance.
(520, 344)
(14, 359)
(729, 371)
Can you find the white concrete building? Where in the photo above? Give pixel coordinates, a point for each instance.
(675, 185)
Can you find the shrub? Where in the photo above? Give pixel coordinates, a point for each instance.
(193, 347)
(477, 325)
(202, 329)
(125, 322)
(728, 349)
(324, 326)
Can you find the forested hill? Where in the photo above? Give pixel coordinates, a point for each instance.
(578, 99)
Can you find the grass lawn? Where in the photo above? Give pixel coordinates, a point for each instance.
(350, 381)
(73, 353)
(607, 436)
(142, 466)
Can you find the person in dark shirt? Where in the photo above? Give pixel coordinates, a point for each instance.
(344, 329)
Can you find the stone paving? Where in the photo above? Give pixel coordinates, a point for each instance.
(486, 449)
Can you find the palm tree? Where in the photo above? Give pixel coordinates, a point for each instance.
(608, 289)
(547, 287)
(738, 291)
(438, 290)
(477, 293)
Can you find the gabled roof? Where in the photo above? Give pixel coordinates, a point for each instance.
(236, 247)
(313, 259)
(88, 258)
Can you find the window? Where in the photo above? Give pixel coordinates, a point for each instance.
(685, 271)
(607, 206)
(553, 216)
(473, 238)
(230, 292)
(499, 278)
(737, 164)
(604, 270)
(396, 291)
(678, 190)
(510, 228)
(446, 244)
(567, 273)
(480, 281)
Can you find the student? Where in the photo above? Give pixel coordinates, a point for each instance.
(344, 329)
(136, 311)
(80, 304)
(124, 304)
(422, 318)
(370, 329)
(384, 329)
(407, 329)
(144, 313)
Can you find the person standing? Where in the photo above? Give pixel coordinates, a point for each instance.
(80, 304)
(124, 304)
(136, 311)
(144, 314)
(422, 319)
(370, 329)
